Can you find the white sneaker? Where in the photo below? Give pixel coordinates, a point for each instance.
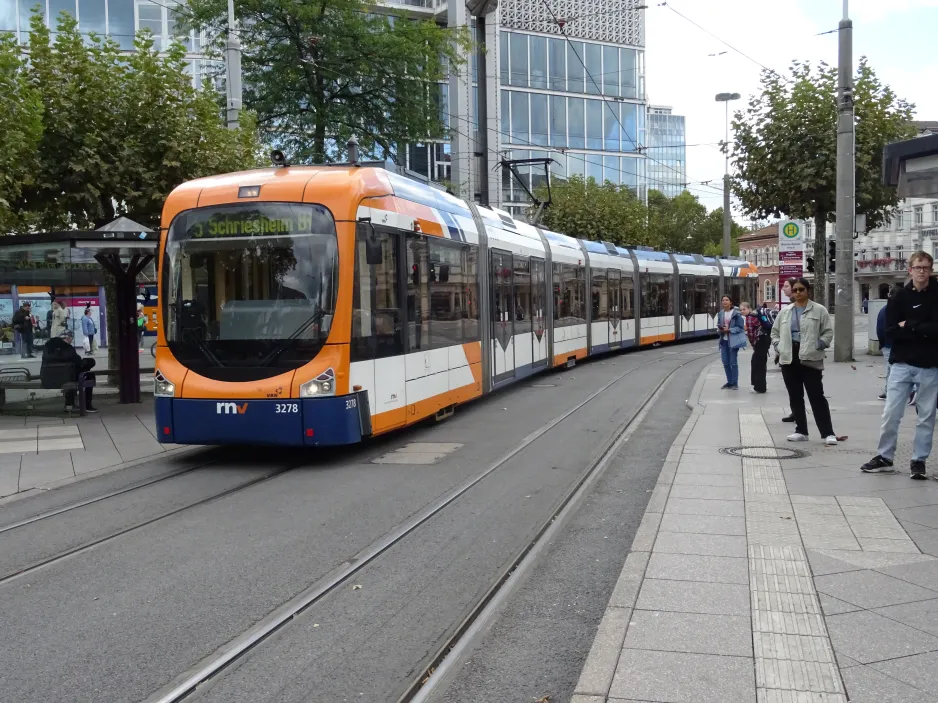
(831, 441)
(797, 437)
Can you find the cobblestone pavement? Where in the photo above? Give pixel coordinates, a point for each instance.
(762, 575)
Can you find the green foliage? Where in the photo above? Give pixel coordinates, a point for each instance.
(21, 120)
(585, 209)
(316, 73)
(102, 133)
(785, 149)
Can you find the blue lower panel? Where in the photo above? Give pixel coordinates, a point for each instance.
(313, 422)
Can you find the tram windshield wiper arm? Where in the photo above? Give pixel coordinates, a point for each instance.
(315, 318)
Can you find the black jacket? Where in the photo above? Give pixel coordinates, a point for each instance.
(915, 343)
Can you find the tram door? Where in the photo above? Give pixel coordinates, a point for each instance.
(615, 308)
(687, 306)
(539, 312)
(503, 316)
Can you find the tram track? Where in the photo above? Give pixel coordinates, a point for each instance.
(206, 672)
(45, 562)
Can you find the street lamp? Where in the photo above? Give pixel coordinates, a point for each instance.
(727, 219)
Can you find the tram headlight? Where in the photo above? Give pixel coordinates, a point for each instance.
(161, 387)
(321, 386)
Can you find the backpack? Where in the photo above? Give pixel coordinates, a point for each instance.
(767, 319)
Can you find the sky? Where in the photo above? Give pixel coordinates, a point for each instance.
(897, 36)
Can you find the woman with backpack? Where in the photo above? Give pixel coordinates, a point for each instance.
(759, 330)
(732, 329)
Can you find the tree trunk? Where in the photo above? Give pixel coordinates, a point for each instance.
(820, 258)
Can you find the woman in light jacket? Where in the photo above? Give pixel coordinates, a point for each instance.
(801, 334)
(732, 328)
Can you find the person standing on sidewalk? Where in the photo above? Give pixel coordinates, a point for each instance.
(732, 338)
(912, 323)
(801, 334)
(758, 330)
(89, 329)
(23, 323)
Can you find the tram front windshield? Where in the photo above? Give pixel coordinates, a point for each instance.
(249, 287)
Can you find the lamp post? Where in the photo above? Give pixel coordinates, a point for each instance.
(725, 98)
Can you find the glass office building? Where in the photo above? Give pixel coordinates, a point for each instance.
(667, 151)
(119, 20)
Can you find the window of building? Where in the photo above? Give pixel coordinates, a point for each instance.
(611, 80)
(628, 73)
(628, 119)
(557, 49)
(519, 60)
(91, 17)
(917, 214)
(503, 58)
(575, 72)
(538, 62)
(594, 167)
(594, 68)
(57, 6)
(576, 121)
(539, 117)
(934, 213)
(594, 124)
(899, 220)
(558, 120)
(519, 117)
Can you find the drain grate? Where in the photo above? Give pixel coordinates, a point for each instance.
(779, 453)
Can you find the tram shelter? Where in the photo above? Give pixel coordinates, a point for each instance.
(67, 270)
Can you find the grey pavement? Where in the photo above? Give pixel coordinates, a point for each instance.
(40, 452)
(766, 577)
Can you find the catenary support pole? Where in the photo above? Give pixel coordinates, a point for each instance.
(233, 70)
(846, 196)
(727, 215)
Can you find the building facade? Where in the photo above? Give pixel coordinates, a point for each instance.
(761, 248)
(666, 145)
(565, 83)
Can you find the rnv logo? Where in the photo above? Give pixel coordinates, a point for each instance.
(231, 408)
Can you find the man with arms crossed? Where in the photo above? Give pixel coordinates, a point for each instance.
(912, 325)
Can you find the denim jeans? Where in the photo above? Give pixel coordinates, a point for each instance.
(728, 356)
(902, 379)
(886, 351)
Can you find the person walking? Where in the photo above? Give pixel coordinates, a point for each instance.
(89, 329)
(141, 325)
(801, 334)
(732, 338)
(23, 323)
(912, 324)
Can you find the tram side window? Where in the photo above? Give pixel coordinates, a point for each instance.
(538, 297)
(376, 315)
(418, 294)
(656, 295)
(600, 296)
(470, 330)
(572, 295)
(628, 297)
(448, 298)
(713, 296)
(522, 305)
(558, 295)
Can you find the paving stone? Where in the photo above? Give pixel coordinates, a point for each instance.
(678, 676)
(580, 698)
(694, 597)
(40, 469)
(920, 671)
(835, 606)
(703, 524)
(9, 473)
(693, 506)
(925, 515)
(708, 545)
(92, 460)
(870, 589)
(813, 500)
(694, 567)
(708, 492)
(873, 560)
(869, 637)
(600, 665)
(889, 545)
(729, 635)
(922, 615)
(695, 479)
(866, 685)
(924, 574)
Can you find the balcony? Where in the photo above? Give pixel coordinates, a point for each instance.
(879, 266)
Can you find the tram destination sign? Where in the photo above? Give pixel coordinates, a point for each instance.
(268, 219)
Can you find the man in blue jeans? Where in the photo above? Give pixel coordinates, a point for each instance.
(912, 326)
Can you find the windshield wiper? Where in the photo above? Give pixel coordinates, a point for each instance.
(315, 318)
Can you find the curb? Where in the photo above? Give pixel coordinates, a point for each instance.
(36, 490)
(603, 658)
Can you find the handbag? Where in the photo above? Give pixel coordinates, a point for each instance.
(87, 344)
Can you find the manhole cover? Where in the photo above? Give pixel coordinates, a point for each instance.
(543, 385)
(765, 452)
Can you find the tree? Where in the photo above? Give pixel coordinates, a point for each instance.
(21, 121)
(112, 134)
(785, 150)
(712, 234)
(315, 73)
(674, 224)
(583, 208)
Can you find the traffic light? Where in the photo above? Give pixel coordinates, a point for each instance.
(831, 256)
(809, 262)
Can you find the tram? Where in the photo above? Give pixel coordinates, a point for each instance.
(320, 305)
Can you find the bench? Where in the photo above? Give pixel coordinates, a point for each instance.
(20, 378)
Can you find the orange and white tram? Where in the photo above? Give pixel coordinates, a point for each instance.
(320, 305)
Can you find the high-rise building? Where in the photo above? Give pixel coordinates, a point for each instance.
(667, 151)
(563, 79)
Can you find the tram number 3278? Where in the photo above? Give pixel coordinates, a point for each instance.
(288, 407)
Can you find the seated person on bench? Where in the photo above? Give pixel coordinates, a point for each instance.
(61, 364)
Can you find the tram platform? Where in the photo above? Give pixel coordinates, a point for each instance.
(43, 451)
(759, 576)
